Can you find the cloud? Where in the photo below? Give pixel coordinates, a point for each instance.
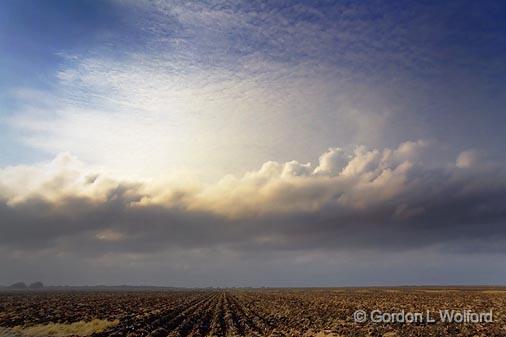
(305, 75)
(380, 199)
(334, 160)
(155, 128)
(468, 159)
(158, 109)
(347, 206)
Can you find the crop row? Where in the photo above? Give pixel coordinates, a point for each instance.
(274, 312)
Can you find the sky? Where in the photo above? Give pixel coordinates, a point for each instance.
(249, 143)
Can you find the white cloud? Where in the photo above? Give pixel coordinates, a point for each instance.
(468, 159)
(332, 161)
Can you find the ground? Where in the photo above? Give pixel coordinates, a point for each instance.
(245, 312)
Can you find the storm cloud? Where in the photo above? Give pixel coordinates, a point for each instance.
(366, 200)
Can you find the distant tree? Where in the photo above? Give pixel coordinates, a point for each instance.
(36, 285)
(18, 285)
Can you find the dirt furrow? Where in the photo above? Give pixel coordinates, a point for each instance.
(246, 318)
(154, 322)
(193, 322)
(204, 324)
(218, 322)
(233, 329)
(178, 325)
(256, 314)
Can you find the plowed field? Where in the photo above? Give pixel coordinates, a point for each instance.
(268, 312)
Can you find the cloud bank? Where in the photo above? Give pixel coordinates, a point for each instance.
(368, 199)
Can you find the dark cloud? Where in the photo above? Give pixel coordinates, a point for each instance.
(435, 206)
(379, 201)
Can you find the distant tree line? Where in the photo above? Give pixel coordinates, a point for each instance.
(22, 285)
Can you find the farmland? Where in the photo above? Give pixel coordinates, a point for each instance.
(244, 312)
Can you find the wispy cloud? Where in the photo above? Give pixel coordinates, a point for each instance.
(145, 112)
(205, 74)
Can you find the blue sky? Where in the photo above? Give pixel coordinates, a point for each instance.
(435, 68)
(191, 107)
(33, 36)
